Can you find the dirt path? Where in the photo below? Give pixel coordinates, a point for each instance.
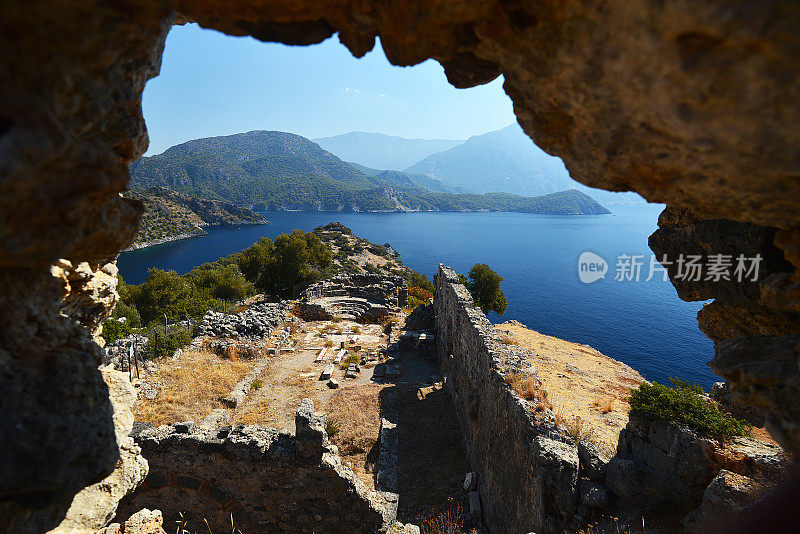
(432, 461)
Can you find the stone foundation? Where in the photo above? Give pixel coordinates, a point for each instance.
(268, 480)
(365, 298)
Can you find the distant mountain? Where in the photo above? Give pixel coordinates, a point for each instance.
(508, 161)
(383, 151)
(169, 216)
(278, 170)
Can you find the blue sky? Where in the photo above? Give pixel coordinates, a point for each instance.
(211, 84)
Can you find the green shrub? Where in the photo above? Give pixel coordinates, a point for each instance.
(683, 404)
(372, 269)
(257, 384)
(167, 345)
(129, 312)
(352, 358)
(331, 427)
(114, 330)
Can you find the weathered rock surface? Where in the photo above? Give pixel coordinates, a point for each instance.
(142, 522)
(721, 393)
(660, 462)
(92, 294)
(593, 462)
(726, 494)
(763, 372)
(753, 322)
(56, 428)
(96, 505)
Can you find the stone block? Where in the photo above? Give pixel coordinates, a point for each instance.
(311, 438)
(475, 504)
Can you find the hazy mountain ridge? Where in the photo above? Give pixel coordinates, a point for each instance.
(502, 161)
(383, 151)
(278, 170)
(505, 160)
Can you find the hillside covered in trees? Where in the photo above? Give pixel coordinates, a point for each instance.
(277, 170)
(169, 215)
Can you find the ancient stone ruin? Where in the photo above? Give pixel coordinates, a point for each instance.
(269, 481)
(365, 298)
(692, 105)
(533, 476)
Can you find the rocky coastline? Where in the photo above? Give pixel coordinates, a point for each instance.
(198, 232)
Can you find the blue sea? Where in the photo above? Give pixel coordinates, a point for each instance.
(643, 324)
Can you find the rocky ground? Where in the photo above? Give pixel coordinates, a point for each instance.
(589, 390)
(397, 378)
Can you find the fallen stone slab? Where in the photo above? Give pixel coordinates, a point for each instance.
(327, 372)
(333, 383)
(471, 481)
(240, 390)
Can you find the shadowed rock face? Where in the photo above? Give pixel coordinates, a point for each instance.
(686, 104)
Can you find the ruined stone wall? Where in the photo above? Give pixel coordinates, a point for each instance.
(267, 480)
(527, 467)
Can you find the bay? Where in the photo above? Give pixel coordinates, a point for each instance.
(643, 324)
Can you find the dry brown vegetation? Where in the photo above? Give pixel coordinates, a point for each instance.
(254, 413)
(581, 382)
(528, 389)
(189, 387)
(508, 339)
(355, 411)
(603, 405)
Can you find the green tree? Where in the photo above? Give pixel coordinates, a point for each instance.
(254, 258)
(224, 282)
(484, 285)
(300, 259)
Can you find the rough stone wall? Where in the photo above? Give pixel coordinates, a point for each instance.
(269, 481)
(94, 506)
(527, 467)
(534, 477)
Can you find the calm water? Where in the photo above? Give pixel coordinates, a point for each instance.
(643, 324)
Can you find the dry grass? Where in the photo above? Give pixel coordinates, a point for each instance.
(254, 413)
(446, 520)
(508, 339)
(189, 387)
(528, 389)
(604, 404)
(356, 413)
